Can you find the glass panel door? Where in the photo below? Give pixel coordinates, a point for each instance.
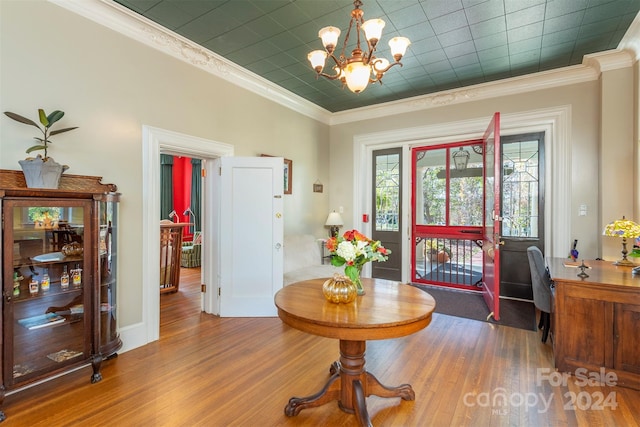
(47, 255)
(448, 212)
(107, 255)
(387, 217)
(522, 210)
(520, 189)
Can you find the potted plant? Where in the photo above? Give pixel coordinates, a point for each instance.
(436, 251)
(42, 172)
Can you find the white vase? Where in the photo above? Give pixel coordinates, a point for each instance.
(41, 174)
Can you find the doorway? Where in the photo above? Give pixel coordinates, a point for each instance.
(523, 225)
(180, 202)
(448, 201)
(554, 122)
(154, 142)
(387, 213)
(448, 214)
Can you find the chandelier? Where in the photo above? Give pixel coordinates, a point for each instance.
(361, 68)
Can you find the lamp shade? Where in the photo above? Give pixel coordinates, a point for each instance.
(399, 47)
(357, 76)
(317, 58)
(334, 218)
(329, 36)
(373, 30)
(622, 228)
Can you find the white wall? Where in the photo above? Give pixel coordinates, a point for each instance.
(110, 86)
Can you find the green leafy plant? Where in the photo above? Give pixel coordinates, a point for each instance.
(47, 121)
(37, 214)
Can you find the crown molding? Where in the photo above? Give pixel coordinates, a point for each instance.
(631, 39)
(608, 60)
(124, 21)
(511, 86)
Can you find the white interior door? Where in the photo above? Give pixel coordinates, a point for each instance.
(249, 248)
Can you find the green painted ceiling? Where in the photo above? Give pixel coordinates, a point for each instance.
(454, 43)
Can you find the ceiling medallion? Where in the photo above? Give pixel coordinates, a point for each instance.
(361, 68)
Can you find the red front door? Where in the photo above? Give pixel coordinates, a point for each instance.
(491, 236)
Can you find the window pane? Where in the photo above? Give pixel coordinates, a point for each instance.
(465, 188)
(431, 187)
(387, 192)
(520, 186)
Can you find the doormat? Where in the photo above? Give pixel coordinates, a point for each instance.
(471, 305)
(452, 273)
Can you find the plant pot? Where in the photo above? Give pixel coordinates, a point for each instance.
(443, 257)
(42, 174)
(439, 256)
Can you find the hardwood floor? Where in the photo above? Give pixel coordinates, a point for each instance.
(208, 371)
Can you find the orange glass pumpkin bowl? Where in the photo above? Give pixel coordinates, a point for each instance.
(339, 290)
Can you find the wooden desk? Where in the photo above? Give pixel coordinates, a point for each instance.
(596, 320)
(387, 310)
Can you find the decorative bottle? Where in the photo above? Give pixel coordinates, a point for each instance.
(76, 276)
(64, 278)
(44, 283)
(34, 286)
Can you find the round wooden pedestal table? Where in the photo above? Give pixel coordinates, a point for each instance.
(387, 310)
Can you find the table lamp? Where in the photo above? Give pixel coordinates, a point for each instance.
(189, 213)
(334, 222)
(626, 229)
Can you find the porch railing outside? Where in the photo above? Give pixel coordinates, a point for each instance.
(456, 262)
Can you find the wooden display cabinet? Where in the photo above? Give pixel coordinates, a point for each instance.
(59, 259)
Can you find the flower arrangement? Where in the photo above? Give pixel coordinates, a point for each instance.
(353, 250)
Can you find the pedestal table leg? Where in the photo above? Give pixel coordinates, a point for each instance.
(350, 384)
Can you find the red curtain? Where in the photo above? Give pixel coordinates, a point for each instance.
(182, 190)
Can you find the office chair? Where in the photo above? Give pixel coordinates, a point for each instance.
(542, 283)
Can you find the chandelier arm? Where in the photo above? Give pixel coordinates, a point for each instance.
(339, 62)
(381, 72)
(329, 76)
(371, 49)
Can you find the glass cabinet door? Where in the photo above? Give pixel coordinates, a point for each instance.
(107, 256)
(47, 285)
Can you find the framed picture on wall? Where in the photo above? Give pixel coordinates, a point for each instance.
(288, 173)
